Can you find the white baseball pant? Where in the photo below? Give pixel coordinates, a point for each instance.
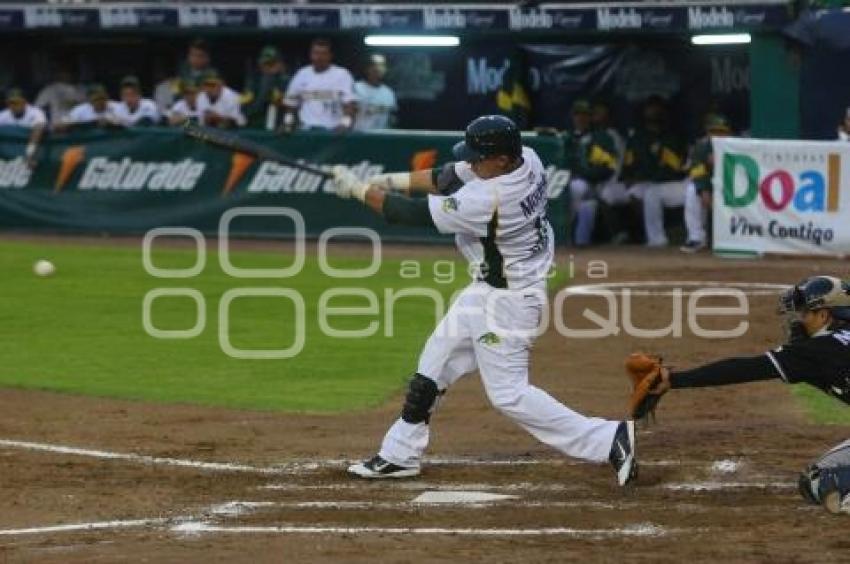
(696, 215)
(493, 330)
(656, 197)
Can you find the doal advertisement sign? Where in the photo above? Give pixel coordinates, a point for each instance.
(779, 196)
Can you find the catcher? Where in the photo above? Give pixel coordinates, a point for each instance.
(817, 353)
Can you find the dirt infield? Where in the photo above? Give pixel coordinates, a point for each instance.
(87, 479)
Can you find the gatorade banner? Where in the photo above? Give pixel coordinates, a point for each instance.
(781, 196)
(129, 181)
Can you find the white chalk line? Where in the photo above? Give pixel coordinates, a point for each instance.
(418, 486)
(82, 527)
(241, 508)
(288, 467)
(710, 486)
(637, 530)
(140, 458)
(678, 288)
(514, 487)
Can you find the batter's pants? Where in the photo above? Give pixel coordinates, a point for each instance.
(493, 330)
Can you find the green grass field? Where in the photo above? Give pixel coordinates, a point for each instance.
(822, 408)
(81, 331)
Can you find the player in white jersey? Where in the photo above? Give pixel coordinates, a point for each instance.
(133, 110)
(19, 113)
(218, 105)
(322, 93)
(376, 101)
(497, 211)
(99, 111)
(186, 108)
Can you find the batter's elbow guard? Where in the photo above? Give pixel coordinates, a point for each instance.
(422, 393)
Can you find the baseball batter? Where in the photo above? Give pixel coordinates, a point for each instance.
(494, 201)
(817, 352)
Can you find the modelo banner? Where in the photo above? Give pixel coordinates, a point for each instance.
(782, 196)
(129, 181)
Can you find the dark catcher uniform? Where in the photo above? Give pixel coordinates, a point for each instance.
(821, 360)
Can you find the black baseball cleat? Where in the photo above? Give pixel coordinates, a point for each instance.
(623, 455)
(692, 247)
(377, 468)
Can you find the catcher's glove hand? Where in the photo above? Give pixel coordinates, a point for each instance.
(650, 380)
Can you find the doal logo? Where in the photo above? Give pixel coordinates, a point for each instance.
(813, 190)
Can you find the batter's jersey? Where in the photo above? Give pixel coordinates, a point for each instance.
(85, 112)
(500, 223)
(375, 105)
(319, 96)
(31, 117)
(145, 110)
(822, 361)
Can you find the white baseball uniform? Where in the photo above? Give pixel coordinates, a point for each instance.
(146, 109)
(320, 96)
(85, 113)
(500, 224)
(375, 105)
(182, 108)
(32, 117)
(227, 104)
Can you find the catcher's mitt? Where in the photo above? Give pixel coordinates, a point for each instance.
(648, 382)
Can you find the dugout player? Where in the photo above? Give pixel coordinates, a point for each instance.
(321, 93)
(20, 113)
(133, 110)
(219, 105)
(376, 102)
(698, 191)
(817, 353)
(99, 111)
(494, 202)
(593, 160)
(653, 165)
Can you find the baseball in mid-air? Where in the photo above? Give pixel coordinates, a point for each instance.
(43, 268)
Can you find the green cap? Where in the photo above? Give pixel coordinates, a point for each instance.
(14, 94)
(268, 54)
(581, 106)
(717, 122)
(211, 75)
(131, 81)
(97, 91)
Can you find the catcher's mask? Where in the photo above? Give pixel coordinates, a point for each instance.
(818, 292)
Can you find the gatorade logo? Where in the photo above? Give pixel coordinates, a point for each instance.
(239, 165)
(14, 173)
(102, 173)
(812, 190)
(71, 159)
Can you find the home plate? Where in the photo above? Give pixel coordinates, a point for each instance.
(460, 497)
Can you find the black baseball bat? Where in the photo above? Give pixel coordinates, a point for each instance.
(248, 147)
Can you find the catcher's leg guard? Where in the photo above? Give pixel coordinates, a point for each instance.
(421, 396)
(829, 476)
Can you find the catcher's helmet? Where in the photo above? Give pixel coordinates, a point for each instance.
(489, 136)
(818, 292)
